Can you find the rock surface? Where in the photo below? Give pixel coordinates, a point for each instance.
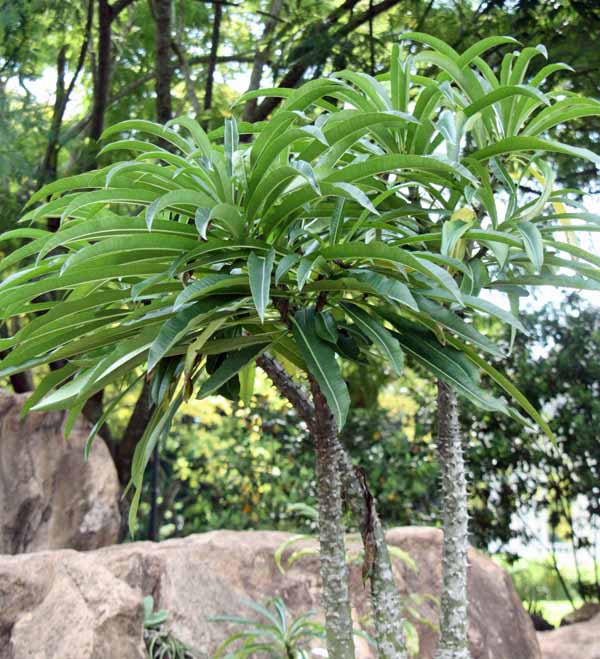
(89, 605)
(582, 614)
(577, 641)
(50, 498)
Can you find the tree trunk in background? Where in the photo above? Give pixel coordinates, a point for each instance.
(20, 382)
(385, 597)
(162, 11)
(262, 55)
(453, 642)
(184, 64)
(214, 51)
(102, 72)
(49, 167)
(334, 572)
(327, 28)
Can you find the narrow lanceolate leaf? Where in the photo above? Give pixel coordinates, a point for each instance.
(305, 267)
(177, 201)
(326, 327)
(353, 192)
(231, 366)
(207, 284)
(176, 327)
(286, 263)
(247, 376)
(321, 362)
(507, 385)
(522, 143)
(259, 272)
(534, 243)
(380, 252)
(448, 319)
(308, 173)
(383, 339)
(202, 220)
(449, 365)
(452, 232)
(337, 221)
(386, 287)
(230, 143)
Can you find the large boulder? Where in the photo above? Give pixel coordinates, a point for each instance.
(45, 597)
(580, 640)
(50, 497)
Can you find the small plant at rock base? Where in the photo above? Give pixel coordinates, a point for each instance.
(272, 635)
(160, 643)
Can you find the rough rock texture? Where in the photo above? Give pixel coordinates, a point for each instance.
(582, 614)
(577, 641)
(88, 605)
(50, 498)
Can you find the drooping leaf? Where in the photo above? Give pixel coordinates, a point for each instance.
(230, 367)
(382, 338)
(534, 243)
(321, 362)
(260, 269)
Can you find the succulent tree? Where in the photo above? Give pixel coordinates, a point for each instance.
(359, 223)
(495, 127)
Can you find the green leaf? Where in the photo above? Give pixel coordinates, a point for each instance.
(386, 287)
(352, 192)
(231, 143)
(382, 338)
(177, 200)
(305, 267)
(453, 322)
(321, 362)
(534, 243)
(247, 377)
(231, 366)
(522, 143)
(450, 365)
(452, 232)
(380, 252)
(286, 263)
(337, 221)
(177, 327)
(507, 385)
(202, 220)
(207, 284)
(259, 274)
(325, 327)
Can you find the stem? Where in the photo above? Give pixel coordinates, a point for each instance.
(334, 572)
(453, 642)
(385, 597)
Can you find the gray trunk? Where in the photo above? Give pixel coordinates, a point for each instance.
(385, 598)
(453, 642)
(334, 572)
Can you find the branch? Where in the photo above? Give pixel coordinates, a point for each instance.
(117, 7)
(289, 389)
(297, 71)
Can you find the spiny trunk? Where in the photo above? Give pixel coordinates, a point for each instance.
(385, 598)
(453, 642)
(334, 572)
(384, 593)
